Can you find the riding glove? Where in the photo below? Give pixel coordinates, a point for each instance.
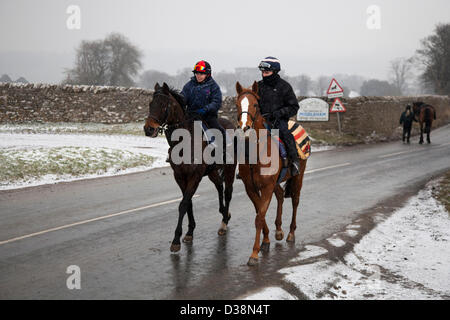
(201, 111)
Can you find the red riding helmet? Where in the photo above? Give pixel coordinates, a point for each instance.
(202, 67)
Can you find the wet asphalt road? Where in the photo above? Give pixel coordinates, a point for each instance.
(118, 230)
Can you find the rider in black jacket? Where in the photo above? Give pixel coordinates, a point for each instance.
(278, 103)
(407, 119)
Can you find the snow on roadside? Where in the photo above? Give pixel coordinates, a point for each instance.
(405, 256)
(42, 139)
(23, 144)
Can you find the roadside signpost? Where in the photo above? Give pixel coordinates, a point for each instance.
(313, 109)
(335, 91)
(338, 106)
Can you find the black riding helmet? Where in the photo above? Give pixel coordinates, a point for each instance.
(270, 64)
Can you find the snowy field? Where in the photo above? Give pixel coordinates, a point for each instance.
(42, 153)
(406, 256)
(84, 156)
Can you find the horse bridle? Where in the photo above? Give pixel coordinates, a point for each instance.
(253, 117)
(162, 124)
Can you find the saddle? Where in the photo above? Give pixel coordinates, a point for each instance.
(303, 144)
(210, 138)
(301, 137)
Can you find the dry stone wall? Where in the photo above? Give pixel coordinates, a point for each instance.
(366, 116)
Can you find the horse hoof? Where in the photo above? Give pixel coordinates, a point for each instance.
(265, 246)
(279, 235)
(290, 238)
(175, 247)
(252, 262)
(188, 239)
(223, 229)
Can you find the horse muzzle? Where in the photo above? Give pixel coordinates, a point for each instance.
(151, 128)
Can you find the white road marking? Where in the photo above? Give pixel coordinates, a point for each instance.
(91, 220)
(441, 145)
(410, 151)
(330, 167)
(396, 153)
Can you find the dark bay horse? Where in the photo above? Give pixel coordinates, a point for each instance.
(425, 113)
(167, 114)
(260, 187)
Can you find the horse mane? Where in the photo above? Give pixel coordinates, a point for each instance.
(176, 94)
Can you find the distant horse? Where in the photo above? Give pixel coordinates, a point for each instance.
(259, 187)
(167, 114)
(426, 113)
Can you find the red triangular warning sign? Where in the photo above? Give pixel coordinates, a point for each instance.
(335, 88)
(338, 106)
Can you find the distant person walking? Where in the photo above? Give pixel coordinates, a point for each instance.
(407, 119)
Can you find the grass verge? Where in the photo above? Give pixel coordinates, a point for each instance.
(20, 165)
(442, 192)
(135, 128)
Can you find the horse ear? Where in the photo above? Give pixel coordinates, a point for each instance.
(157, 86)
(165, 88)
(255, 87)
(238, 88)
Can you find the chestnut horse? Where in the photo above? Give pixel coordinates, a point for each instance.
(167, 114)
(260, 187)
(426, 114)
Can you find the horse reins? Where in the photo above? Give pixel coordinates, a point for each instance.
(163, 126)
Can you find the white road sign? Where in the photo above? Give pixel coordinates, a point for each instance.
(313, 109)
(335, 90)
(338, 106)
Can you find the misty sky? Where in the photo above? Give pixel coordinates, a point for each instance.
(312, 37)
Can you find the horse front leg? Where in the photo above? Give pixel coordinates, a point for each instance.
(185, 206)
(218, 183)
(260, 225)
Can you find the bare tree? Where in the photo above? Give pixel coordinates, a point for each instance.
(149, 78)
(434, 56)
(113, 61)
(376, 87)
(301, 84)
(322, 84)
(91, 64)
(124, 62)
(400, 73)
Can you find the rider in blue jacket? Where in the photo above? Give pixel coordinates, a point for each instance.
(203, 96)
